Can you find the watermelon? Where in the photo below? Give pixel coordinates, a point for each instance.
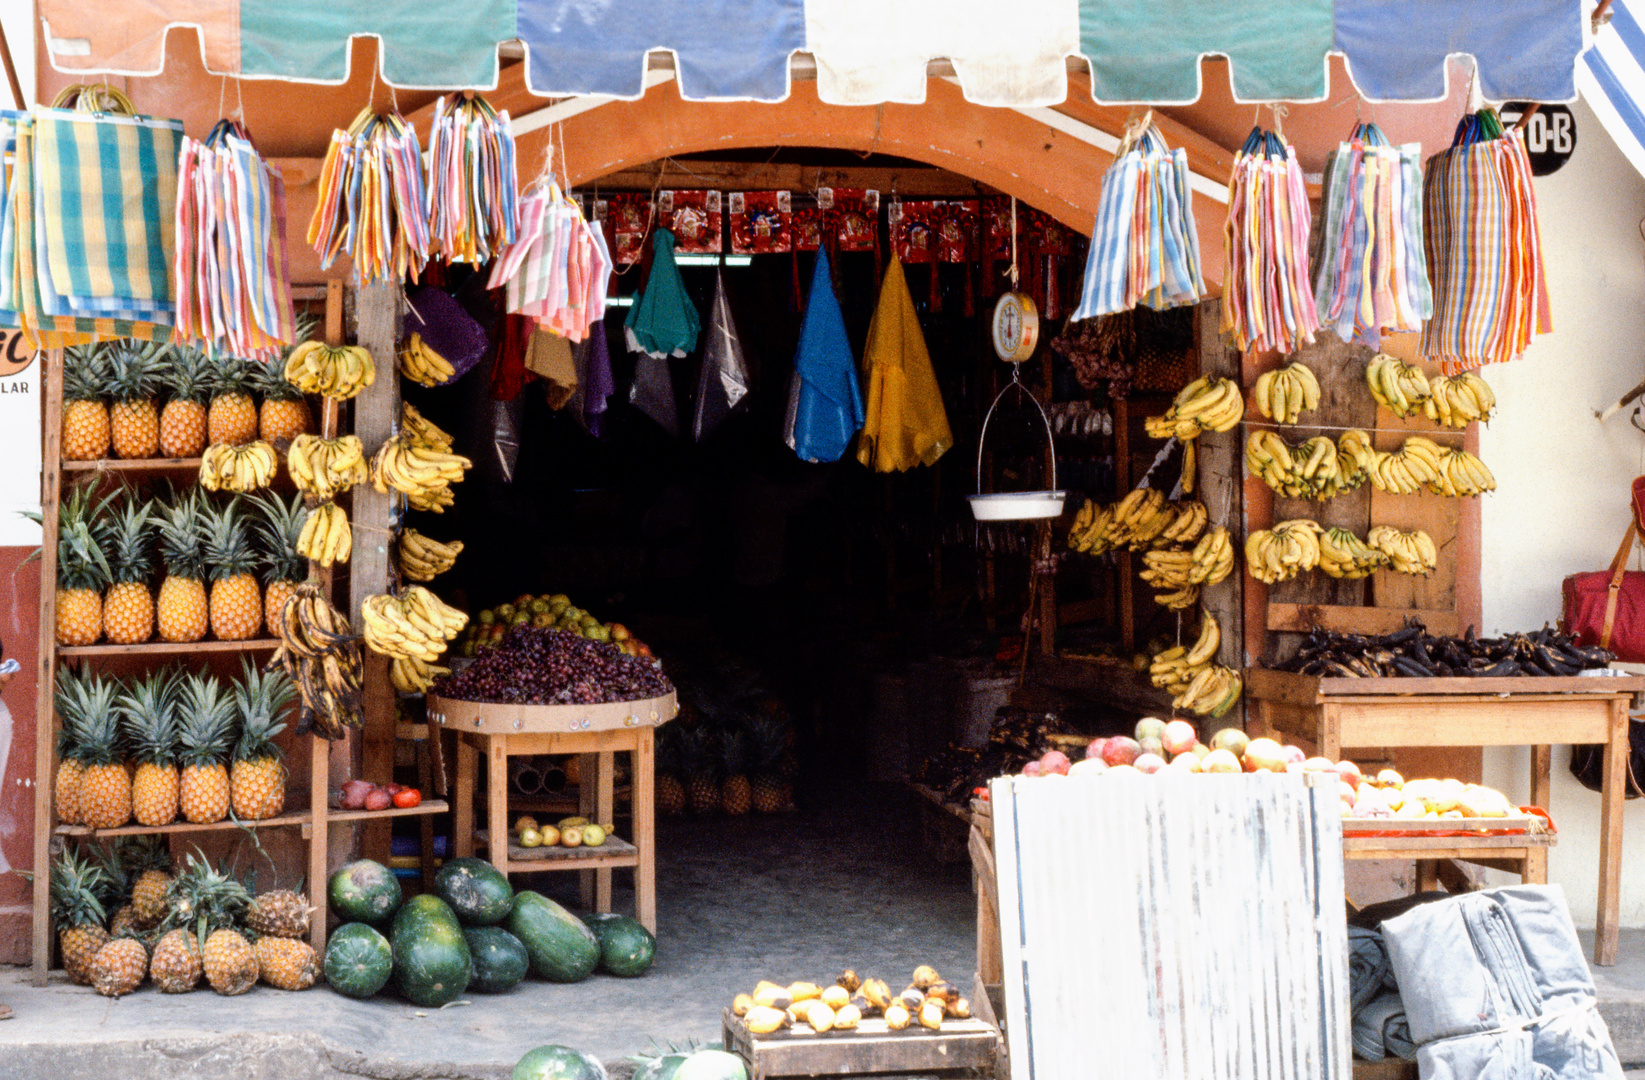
(660, 1068)
(712, 1065)
(476, 891)
(558, 1063)
(432, 964)
(358, 960)
(626, 947)
(500, 961)
(364, 891)
(561, 947)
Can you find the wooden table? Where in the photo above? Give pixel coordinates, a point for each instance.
(1334, 713)
(962, 1048)
(596, 732)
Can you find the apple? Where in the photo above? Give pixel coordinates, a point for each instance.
(1200, 750)
(1231, 739)
(1349, 772)
(1371, 804)
(1152, 745)
(1094, 750)
(1319, 764)
(1149, 763)
(550, 835)
(1186, 762)
(1294, 753)
(1265, 754)
(1150, 726)
(1347, 792)
(1180, 736)
(1033, 768)
(1120, 750)
(1117, 769)
(1091, 766)
(1390, 778)
(1220, 761)
(1054, 761)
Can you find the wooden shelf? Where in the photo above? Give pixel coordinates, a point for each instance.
(164, 648)
(132, 464)
(300, 817)
(614, 853)
(427, 806)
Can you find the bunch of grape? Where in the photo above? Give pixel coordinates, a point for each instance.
(540, 666)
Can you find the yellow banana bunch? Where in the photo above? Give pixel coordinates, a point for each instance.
(1189, 522)
(1089, 533)
(1407, 470)
(420, 430)
(334, 371)
(1283, 552)
(422, 559)
(415, 624)
(325, 468)
(1167, 569)
(1396, 385)
(1174, 669)
(421, 364)
(1206, 404)
(327, 538)
(1408, 552)
(1354, 456)
(1458, 400)
(238, 468)
(1316, 469)
(1344, 555)
(321, 654)
(1461, 474)
(1213, 558)
(1284, 394)
(423, 475)
(1212, 692)
(411, 675)
(1139, 518)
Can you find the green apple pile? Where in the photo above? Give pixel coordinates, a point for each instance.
(549, 611)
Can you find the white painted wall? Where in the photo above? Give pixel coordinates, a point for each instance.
(17, 16)
(1562, 499)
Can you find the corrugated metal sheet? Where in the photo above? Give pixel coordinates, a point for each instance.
(1173, 926)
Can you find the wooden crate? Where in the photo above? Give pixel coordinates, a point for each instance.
(961, 1048)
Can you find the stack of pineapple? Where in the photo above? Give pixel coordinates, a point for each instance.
(109, 547)
(174, 929)
(746, 764)
(169, 742)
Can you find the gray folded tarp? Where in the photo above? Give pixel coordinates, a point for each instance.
(1380, 1029)
(1368, 967)
(1496, 988)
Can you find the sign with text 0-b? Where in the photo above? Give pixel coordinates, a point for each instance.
(20, 397)
(1550, 135)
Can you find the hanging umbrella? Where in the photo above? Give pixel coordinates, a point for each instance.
(824, 402)
(662, 323)
(906, 424)
(724, 380)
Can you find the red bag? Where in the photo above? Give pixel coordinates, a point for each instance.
(1607, 607)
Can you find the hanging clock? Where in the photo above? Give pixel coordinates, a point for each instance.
(1016, 327)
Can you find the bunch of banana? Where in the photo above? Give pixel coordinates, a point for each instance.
(1408, 552)
(1175, 669)
(1178, 599)
(1461, 474)
(1212, 693)
(422, 559)
(1284, 394)
(422, 432)
(1283, 552)
(327, 537)
(1206, 404)
(421, 364)
(1354, 456)
(1168, 569)
(1213, 558)
(1397, 385)
(335, 371)
(325, 468)
(1140, 518)
(1344, 555)
(414, 624)
(321, 654)
(411, 675)
(1407, 470)
(1458, 400)
(1189, 523)
(1269, 458)
(423, 475)
(238, 468)
(1089, 532)
(1317, 469)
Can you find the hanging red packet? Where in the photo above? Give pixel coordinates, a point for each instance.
(996, 221)
(913, 225)
(807, 227)
(629, 215)
(694, 218)
(761, 222)
(957, 231)
(855, 216)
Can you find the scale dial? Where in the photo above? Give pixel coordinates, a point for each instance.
(1016, 327)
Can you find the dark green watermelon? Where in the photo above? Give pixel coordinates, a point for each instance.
(500, 961)
(712, 1065)
(358, 960)
(432, 964)
(476, 891)
(558, 1063)
(561, 947)
(626, 947)
(365, 891)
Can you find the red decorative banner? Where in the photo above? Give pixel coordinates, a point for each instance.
(694, 218)
(913, 226)
(761, 222)
(855, 216)
(996, 220)
(957, 232)
(628, 216)
(807, 225)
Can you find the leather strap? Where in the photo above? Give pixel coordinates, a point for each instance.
(1619, 566)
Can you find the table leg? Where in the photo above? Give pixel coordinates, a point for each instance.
(605, 810)
(588, 779)
(497, 800)
(1610, 836)
(645, 829)
(1542, 759)
(1535, 870)
(1427, 875)
(468, 762)
(1330, 733)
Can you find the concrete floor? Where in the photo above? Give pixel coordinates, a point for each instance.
(784, 897)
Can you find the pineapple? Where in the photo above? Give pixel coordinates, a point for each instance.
(286, 963)
(205, 731)
(232, 418)
(105, 786)
(181, 609)
(208, 903)
(735, 795)
(148, 866)
(670, 792)
(175, 966)
(132, 378)
(128, 606)
(702, 793)
(770, 790)
(78, 913)
(230, 962)
(119, 967)
(71, 770)
(236, 601)
(124, 923)
(281, 913)
(257, 781)
(285, 413)
(183, 420)
(85, 417)
(82, 569)
(149, 713)
(278, 525)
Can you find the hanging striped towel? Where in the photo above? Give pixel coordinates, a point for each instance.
(1267, 299)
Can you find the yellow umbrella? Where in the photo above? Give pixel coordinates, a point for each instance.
(906, 424)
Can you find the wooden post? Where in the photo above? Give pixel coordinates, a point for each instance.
(336, 757)
(376, 417)
(1219, 487)
(45, 716)
(1122, 559)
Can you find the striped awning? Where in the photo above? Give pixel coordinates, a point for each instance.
(1612, 78)
(1004, 52)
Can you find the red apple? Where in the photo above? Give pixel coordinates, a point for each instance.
(1180, 736)
(1055, 761)
(1094, 750)
(1120, 750)
(1220, 761)
(1349, 772)
(1152, 745)
(1294, 753)
(1200, 750)
(1149, 763)
(1265, 754)
(1033, 768)
(1319, 764)
(1231, 739)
